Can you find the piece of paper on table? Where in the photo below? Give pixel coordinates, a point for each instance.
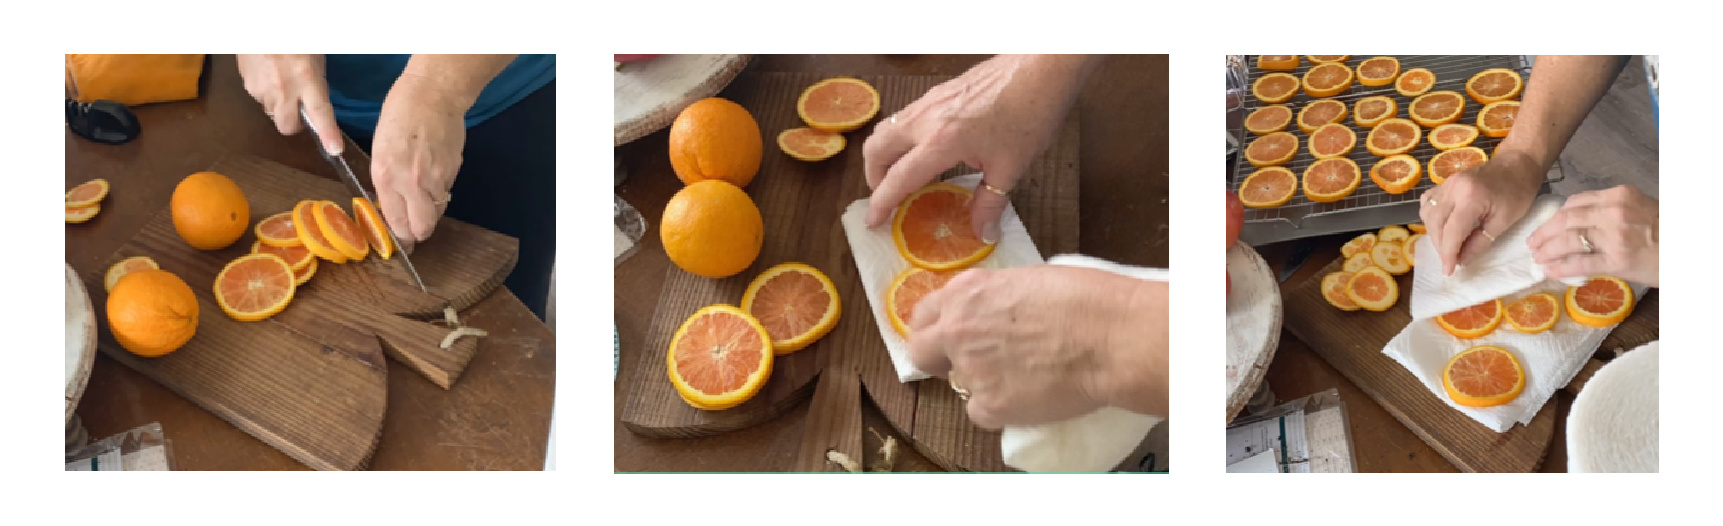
(1260, 463)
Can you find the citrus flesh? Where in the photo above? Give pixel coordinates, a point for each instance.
(907, 290)
(932, 228)
(1268, 119)
(1268, 187)
(719, 358)
(1472, 322)
(1334, 290)
(1274, 149)
(796, 303)
(254, 287)
(1483, 376)
(1535, 313)
(1330, 180)
(1601, 302)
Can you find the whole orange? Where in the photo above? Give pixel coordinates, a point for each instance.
(152, 312)
(209, 211)
(715, 139)
(712, 229)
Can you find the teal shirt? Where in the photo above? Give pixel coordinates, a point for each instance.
(358, 84)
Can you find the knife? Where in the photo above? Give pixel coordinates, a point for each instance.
(340, 164)
(1300, 252)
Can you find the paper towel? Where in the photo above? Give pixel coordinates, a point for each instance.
(1550, 359)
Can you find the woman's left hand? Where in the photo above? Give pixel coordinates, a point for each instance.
(1620, 225)
(415, 156)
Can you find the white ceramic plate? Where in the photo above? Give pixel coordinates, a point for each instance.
(80, 339)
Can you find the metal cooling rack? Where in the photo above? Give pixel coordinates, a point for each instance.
(1369, 207)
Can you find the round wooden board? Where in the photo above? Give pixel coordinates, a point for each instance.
(80, 339)
(1253, 315)
(650, 94)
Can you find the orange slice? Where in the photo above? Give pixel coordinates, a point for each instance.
(1357, 262)
(86, 194)
(1371, 111)
(1392, 234)
(1483, 376)
(1416, 228)
(1277, 62)
(1414, 82)
(1373, 289)
(1397, 174)
(1329, 180)
(1494, 85)
(1274, 88)
(1378, 71)
(1327, 80)
(1334, 290)
(1332, 141)
(907, 290)
(1393, 137)
(932, 229)
(1411, 248)
(1437, 108)
(296, 257)
(254, 287)
(376, 231)
(303, 275)
(838, 104)
(1391, 257)
(1601, 302)
(1452, 162)
(277, 231)
(1327, 59)
(125, 266)
(305, 223)
(343, 234)
(1497, 118)
(809, 144)
(1361, 244)
(719, 358)
(796, 303)
(1535, 313)
(1268, 187)
(1274, 149)
(79, 214)
(1268, 119)
(1449, 136)
(1473, 322)
(1319, 113)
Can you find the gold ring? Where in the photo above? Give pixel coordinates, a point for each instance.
(962, 394)
(995, 189)
(1487, 234)
(1585, 243)
(892, 119)
(445, 200)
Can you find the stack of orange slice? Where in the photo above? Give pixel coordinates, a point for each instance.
(84, 201)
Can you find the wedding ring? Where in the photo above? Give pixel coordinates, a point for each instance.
(962, 394)
(892, 119)
(445, 200)
(1432, 200)
(1486, 233)
(995, 189)
(1585, 243)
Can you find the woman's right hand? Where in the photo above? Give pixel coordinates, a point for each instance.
(1467, 211)
(283, 83)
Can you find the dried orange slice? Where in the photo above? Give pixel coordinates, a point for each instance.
(1494, 85)
(1332, 141)
(1371, 111)
(1449, 136)
(809, 144)
(1535, 313)
(1452, 162)
(1473, 322)
(1319, 113)
(1392, 234)
(1361, 244)
(1483, 376)
(907, 290)
(1327, 59)
(796, 303)
(1497, 118)
(277, 231)
(1277, 62)
(1390, 257)
(376, 231)
(1274, 88)
(1268, 187)
(125, 266)
(1327, 80)
(1437, 108)
(1334, 290)
(305, 223)
(1601, 302)
(932, 228)
(296, 257)
(719, 358)
(1329, 180)
(254, 287)
(1268, 119)
(1393, 137)
(838, 104)
(343, 234)
(79, 214)
(1373, 289)
(303, 275)
(1357, 262)
(86, 194)
(1412, 248)
(1274, 149)
(1378, 71)
(1397, 174)
(1416, 228)
(1414, 82)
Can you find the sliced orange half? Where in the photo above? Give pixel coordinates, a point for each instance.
(124, 267)
(1535, 313)
(838, 104)
(1327, 80)
(1268, 119)
(1483, 376)
(1390, 257)
(371, 223)
(1373, 289)
(277, 231)
(1319, 113)
(1393, 137)
(88, 193)
(1329, 180)
(907, 290)
(1268, 187)
(1494, 85)
(1357, 262)
(1371, 111)
(1414, 82)
(296, 257)
(1397, 174)
(1449, 136)
(1274, 149)
(1393, 234)
(1453, 162)
(932, 228)
(254, 287)
(796, 303)
(719, 358)
(1277, 62)
(1497, 118)
(1437, 108)
(1378, 71)
(1327, 59)
(79, 214)
(809, 144)
(1274, 88)
(1332, 141)
(305, 223)
(1473, 322)
(1601, 302)
(303, 275)
(343, 234)
(1361, 244)
(1334, 290)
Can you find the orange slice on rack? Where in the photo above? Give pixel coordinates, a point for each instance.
(1397, 174)
(907, 290)
(932, 228)
(296, 257)
(1274, 149)
(254, 287)
(1274, 88)
(1450, 136)
(79, 214)
(1414, 82)
(1392, 234)
(1378, 71)
(305, 222)
(1483, 376)
(1268, 119)
(1371, 111)
(86, 194)
(1357, 262)
(1494, 85)
(371, 223)
(1437, 108)
(1332, 140)
(808, 144)
(1452, 162)
(1390, 257)
(303, 275)
(1497, 118)
(1319, 113)
(1534, 314)
(1373, 289)
(1268, 187)
(1601, 302)
(1330, 180)
(838, 104)
(1412, 248)
(125, 266)
(796, 303)
(1327, 80)
(1473, 322)
(1393, 137)
(277, 231)
(1327, 59)
(1277, 62)
(719, 358)
(1334, 290)
(1361, 244)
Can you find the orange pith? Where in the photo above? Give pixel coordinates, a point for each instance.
(838, 104)
(1371, 111)
(1319, 113)
(1373, 289)
(1601, 302)
(1493, 85)
(907, 290)
(1473, 322)
(126, 266)
(1327, 59)
(1397, 174)
(1393, 137)
(1390, 256)
(370, 222)
(1415, 82)
(796, 303)
(1452, 162)
(1378, 71)
(932, 228)
(1334, 290)
(1497, 118)
(343, 234)
(1329, 180)
(296, 257)
(1450, 136)
(1268, 119)
(86, 194)
(1412, 248)
(1274, 149)
(254, 287)
(1274, 88)
(1437, 108)
(277, 230)
(1535, 313)
(719, 358)
(1277, 62)
(1268, 187)
(1483, 376)
(305, 223)
(809, 144)
(1357, 262)
(1327, 80)
(303, 275)
(1332, 140)
(1392, 234)
(1361, 244)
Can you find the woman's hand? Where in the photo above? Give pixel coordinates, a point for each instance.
(283, 83)
(1619, 223)
(415, 156)
(1467, 211)
(1047, 343)
(996, 118)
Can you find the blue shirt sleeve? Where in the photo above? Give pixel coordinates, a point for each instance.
(359, 83)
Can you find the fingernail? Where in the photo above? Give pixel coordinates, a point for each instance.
(333, 148)
(990, 233)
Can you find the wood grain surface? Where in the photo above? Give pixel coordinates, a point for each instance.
(651, 93)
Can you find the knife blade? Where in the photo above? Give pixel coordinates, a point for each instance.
(1300, 252)
(352, 181)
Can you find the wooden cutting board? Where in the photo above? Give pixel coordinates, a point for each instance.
(311, 381)
(802, 203)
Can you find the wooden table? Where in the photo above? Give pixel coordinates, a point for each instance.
(497, 417)
(1123, 115)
